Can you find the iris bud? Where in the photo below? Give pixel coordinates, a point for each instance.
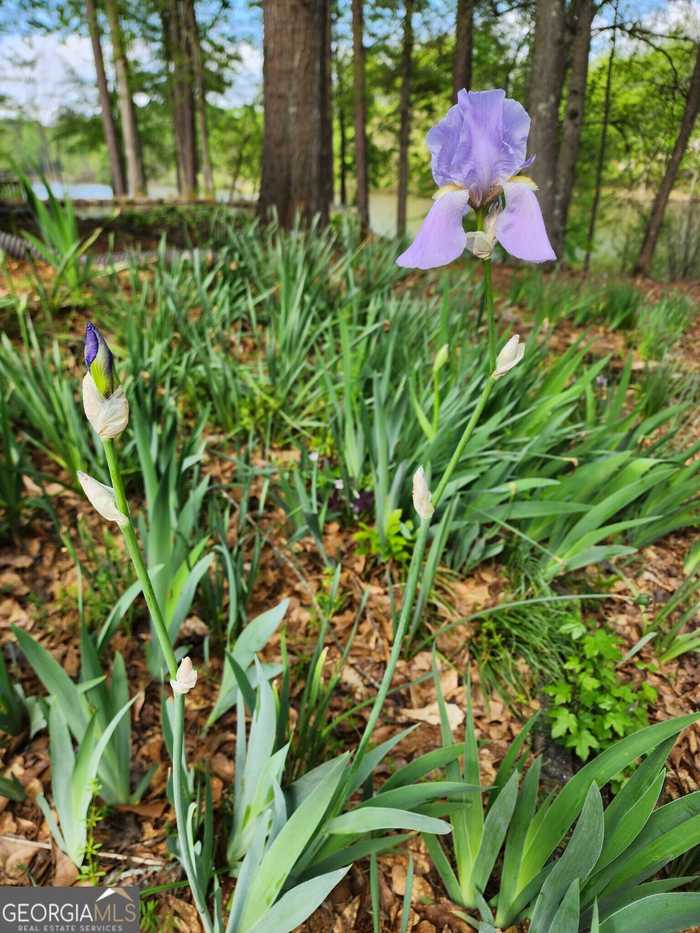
(510, 356)
(99, 360)
(102, 499)
(186, 677)
(422, 499)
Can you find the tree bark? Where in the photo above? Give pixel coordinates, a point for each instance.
(110, 130)
(343, 134)
(546, 76)
(464, 41)
(690, 114)
(583, 12)
(136, 178)
(297, 168)
(327, 105)
(360, 106)
(600, 163)
(180, 83)
(405, 116)
(200, 98)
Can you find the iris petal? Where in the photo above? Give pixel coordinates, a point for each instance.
(520, 227)
(441, 239)
(480, 143)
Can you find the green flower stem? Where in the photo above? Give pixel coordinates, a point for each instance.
(488, 296)
(413, 576)
(463, 441)
(180, 796)
(490, 314)
(178, 719)
(134, 550)
(409, 597)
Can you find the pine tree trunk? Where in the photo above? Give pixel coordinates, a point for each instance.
(360, 106)
(327, 106)
(573, 122)
(600, 163)
(136, 178)
(464, 40)
(110, 130)
(180, 82)
(200, 97)
(546, 78)
(297, 169)
(405, 116)
(343, 135)
(690, 114)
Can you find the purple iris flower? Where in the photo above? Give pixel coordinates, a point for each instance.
(477, 151)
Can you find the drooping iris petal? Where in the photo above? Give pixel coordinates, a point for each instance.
(441, 239)
(520, 228)
(480, 143)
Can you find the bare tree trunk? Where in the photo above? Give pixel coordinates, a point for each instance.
(136, 177)
(296, 167)
(343, 134)
(180, 81)
(690, 113)
(200, 98)
(360, 106)
(464, 41)
(405, 115)
(607, 100)
(546, 78)
(573, 122)
(327, 105)
(110, 131)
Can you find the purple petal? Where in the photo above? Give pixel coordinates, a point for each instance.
(520, 227)
(481, 142)
(92, 342)
(441, 239)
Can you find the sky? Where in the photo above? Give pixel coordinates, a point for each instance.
(42, 72)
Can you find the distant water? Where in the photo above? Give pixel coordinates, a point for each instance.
(382, 204)
(87, 192)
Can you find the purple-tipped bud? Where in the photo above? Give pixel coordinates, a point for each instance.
(99, 360)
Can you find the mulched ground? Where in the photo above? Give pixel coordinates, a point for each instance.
(38, 589)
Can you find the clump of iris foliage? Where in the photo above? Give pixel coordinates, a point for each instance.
(437, 444)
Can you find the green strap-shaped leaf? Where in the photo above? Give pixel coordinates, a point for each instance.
(495, 829)
(670, 831)
(660, 913)
(367, 819)
(563, 810)
(280, 858)
(297, 904)
(566, 919)
(575, 863)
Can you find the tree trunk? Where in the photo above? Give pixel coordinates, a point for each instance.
(405, 115)
(573, 122)
(464, 40)
(200, 97)
(360, 106)
(690, 113)
(327, 106)
(180, 81)
(342, 132)
(136, 178)
(546, 76)
(600, 164)
(297, 169)
(110, 130)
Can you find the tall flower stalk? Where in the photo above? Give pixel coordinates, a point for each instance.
(414, 570)
(101, 401)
